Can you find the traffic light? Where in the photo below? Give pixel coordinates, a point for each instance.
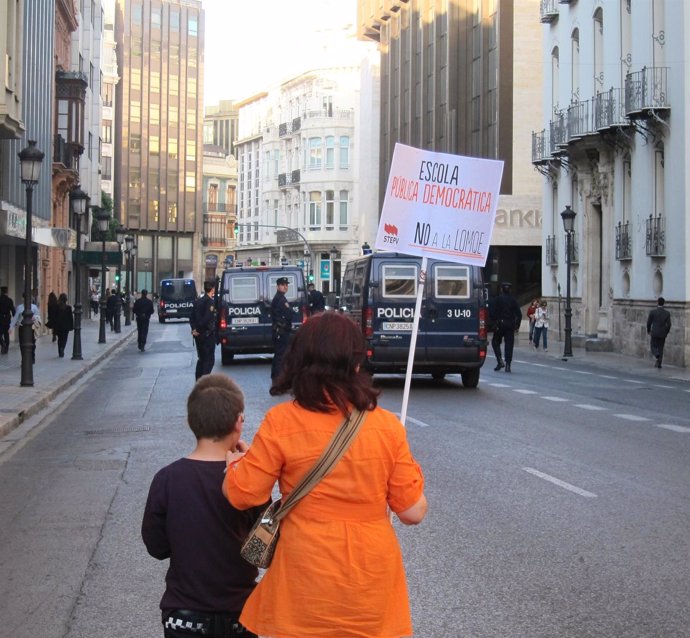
(311, 278)
(237, 230)
(117, 277)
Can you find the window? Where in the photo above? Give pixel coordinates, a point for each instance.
(452, 282)
(156, 18)
(190, 182)
(155, 113)
(399, 281)
(191, 150)
(330, 151)
(172, 148)
(193, 26)
(155, 81)
(212, 196)
(154, 145)
(135, 143)
(107, 133)
(175, 20)
(315, 153)
(136, 14)
(315, 210)
(107, 171)
(135, 79)
(344, 151)
(344, 208)
(243, 289)
(173, 113)
(330, 209)
(135, 111)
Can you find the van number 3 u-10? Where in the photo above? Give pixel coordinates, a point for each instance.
(459, 313)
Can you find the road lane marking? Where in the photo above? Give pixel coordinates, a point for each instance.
(588, 406)
(666, 387)
(554, 399)
(499, 385)
(631, 417)
(421, 424)
(521, 391)
(673, 428)
(633, 381)
(582, 372)
(563, 484)
(559, 368)
(607, 376)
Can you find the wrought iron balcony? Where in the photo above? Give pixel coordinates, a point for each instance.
(646, 91)
(541, 147)
(580, 121)
(289, 128)
(609, 110)
(558, 131)
(623, 241)
(289, 179)
(548, 10)
(655, 237)
(64, 153)
(551, 256)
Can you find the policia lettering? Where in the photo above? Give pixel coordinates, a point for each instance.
(203, 324)
(282, 317)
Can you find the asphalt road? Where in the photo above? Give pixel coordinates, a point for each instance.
(559, 499)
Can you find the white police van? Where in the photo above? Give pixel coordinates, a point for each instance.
(379, 292)
(244, 296)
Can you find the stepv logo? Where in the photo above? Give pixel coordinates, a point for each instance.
(391, 234)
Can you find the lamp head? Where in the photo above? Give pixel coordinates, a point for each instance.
(30, 160)
(568, 217)
(78, 199)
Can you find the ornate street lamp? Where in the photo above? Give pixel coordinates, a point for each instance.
(78, 200)
(568, 216)
(334, 255)
(103, 220)
(133, 257)
(30, 160)
(129, 243)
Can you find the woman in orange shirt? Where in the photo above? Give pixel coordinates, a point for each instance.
(337, 571)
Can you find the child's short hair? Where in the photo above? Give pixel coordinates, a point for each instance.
(213, 406)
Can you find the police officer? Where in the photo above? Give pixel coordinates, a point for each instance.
(203, 324)
(507, 317)
(317, 303)
(142, 309)
(281, 319)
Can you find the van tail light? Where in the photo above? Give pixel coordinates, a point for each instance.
(161, 303)
(368, 322)
(223, 323)
(482, 323)
(305, 314)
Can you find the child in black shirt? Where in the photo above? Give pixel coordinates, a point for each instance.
(188, 520)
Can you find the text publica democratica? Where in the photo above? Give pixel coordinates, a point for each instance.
(441, 189)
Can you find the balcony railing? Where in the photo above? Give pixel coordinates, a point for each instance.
(558, 130)
(289, 128)
(655, 237)
(289, 179)
(210, 207)
(580, 122)
(646, 91)
(548, 10)
(574, 248)
(541, 147)
(623, 241)
(609, 110)
(64, 153)
(551, 256)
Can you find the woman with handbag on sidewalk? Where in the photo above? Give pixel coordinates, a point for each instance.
(337, 571)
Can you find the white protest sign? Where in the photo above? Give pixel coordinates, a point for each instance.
(440, 205)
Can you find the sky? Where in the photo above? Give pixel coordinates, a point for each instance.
(252, 44)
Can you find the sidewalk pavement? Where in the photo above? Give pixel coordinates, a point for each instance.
(52, 375)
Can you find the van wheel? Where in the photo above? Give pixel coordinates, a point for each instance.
(161, 319)
(226, 357)
(470, 378)
(438, 376)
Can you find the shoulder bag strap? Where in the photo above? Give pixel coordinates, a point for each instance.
(326, 462)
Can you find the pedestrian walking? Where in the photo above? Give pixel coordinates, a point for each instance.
(7, 311)
(541, 325)
(52, 309)
(337, 570)
(111, 303)
(142, 309)
(507, 317)
(94, 299)
(188, 521)
(203, 324)
(35, 327)
(317, 303)
(282, 317)
(63, 323)
(531, 311)
(658, 327)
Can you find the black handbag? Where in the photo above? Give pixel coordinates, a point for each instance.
(260, 544)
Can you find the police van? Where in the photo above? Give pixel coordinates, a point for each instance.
(244, 307)
(176, 299)
(379, 292)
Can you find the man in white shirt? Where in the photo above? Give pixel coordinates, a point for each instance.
(36, 320)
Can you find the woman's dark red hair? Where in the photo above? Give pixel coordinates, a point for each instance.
(322, 366)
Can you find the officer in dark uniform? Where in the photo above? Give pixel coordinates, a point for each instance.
(142, 309)
(203, 324)
(507, 317)
(281, 319)
(317, 303)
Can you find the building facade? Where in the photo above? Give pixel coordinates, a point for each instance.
(220, 126)
(462, 77)
(308, 170)
(614, 146)
(158, 135)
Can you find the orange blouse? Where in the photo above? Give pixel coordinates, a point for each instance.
(337, 571)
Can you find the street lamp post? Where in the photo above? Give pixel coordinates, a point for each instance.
(568, 216)
(133, 258)
(30, 160)
(334, 253)
(129, 242)
(103, 220)
(120, 236)
(78, 199)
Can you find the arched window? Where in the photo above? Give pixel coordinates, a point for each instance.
(554, 79)
(575, 67)
(598, 51)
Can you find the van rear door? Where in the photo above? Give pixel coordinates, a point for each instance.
(248, 321)
(450, 313)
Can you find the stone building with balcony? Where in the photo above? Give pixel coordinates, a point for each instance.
(614, 147)
(308, 169)
(219, 206)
